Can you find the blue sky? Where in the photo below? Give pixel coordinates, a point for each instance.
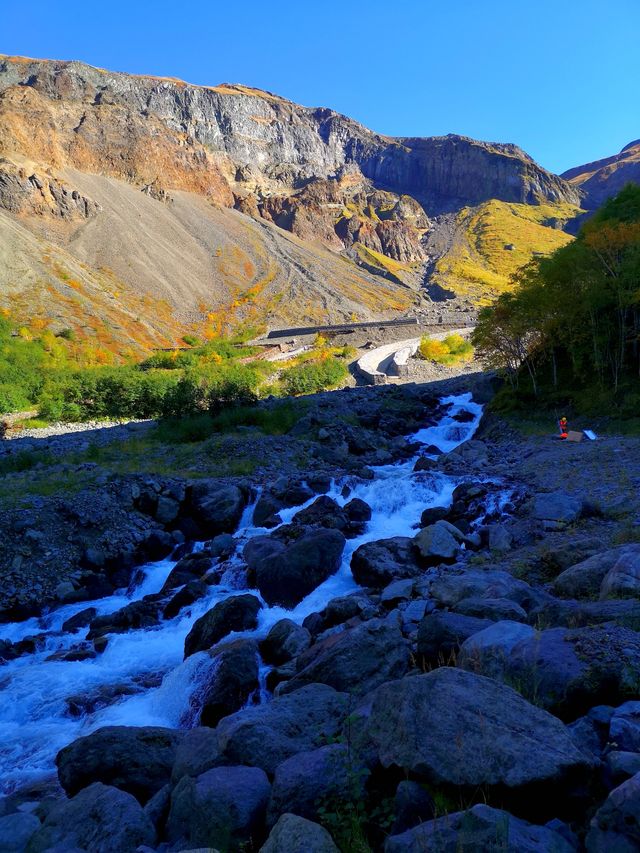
(560, 79)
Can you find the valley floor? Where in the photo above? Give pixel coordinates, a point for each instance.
(510, 618)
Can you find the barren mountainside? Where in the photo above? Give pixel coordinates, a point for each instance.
(226, 204)
(602, 179)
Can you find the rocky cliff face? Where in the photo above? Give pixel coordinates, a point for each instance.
(602, 179)
(281, 141)
(139, 176)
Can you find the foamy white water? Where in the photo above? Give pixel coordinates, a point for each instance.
(144, 668)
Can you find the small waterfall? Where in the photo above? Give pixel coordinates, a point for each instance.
(141, 678)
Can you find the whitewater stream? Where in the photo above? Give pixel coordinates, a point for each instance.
(45, 705)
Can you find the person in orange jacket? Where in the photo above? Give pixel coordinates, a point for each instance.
(564, 427)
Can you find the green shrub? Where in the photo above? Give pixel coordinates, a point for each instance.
(314, 376)
(454, 349)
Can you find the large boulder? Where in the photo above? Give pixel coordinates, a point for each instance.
(355, 660)
(237, 613)
(223, 808)
(266, 735)
(451, 587)
(624, 728)
(136, 760)
(197, 752)
(138, 614)
(100, 818)
(615, 828)
(324, 512)
(233, 678)
(15, 831)
(307, 782)
(569, 671)
(287, 571)
(295, 834)
(376, 564)
(217, 508)
(482, 828)
(441, 634)
(439, 542)
(451, 727)
(491, 608)
(189, 568)
(584, 579)
(488, 651)
(556, 509)
(285, 641)
(186, 596)
(623, 578)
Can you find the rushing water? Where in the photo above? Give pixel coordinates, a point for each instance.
(144, 669)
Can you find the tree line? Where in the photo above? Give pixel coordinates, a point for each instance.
(573, 318)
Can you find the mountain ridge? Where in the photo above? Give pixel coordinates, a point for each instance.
(334, 218)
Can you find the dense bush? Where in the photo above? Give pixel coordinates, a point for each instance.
(314, 376)
(451, 350)
(122, 392)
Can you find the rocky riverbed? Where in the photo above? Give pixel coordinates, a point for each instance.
(407, 629)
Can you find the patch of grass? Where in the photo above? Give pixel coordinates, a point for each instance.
(276, 420)
(480, 265)
(24, 460)
(382, 262)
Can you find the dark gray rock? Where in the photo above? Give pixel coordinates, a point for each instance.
(412, 806)
(191, 592)
(569, 671)
(622, 765)
(324, 512)
(136, 760)
(441, 634)
(358, 511)
(433, 514)
(487, 652)
(376, 564)
(615, 828)
(285, 641)
(294, 834)
(223, 808)
(192, 567)
(624, 728)
(80, 620)
(157, 808)
(439, 542)
(451, 727)
(491, 608)
(237, 613)
(233, 678)
(217, 508)
(286, 573)
(138, 614)
(16, 830)
(557, 508)
(305, 782)
(266, 735)
(100, 818)
(584, 579)
(197, 752)
(482, 828)
(355, 660)
(452, 587)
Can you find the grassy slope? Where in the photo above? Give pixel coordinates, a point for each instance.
(478, 266)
